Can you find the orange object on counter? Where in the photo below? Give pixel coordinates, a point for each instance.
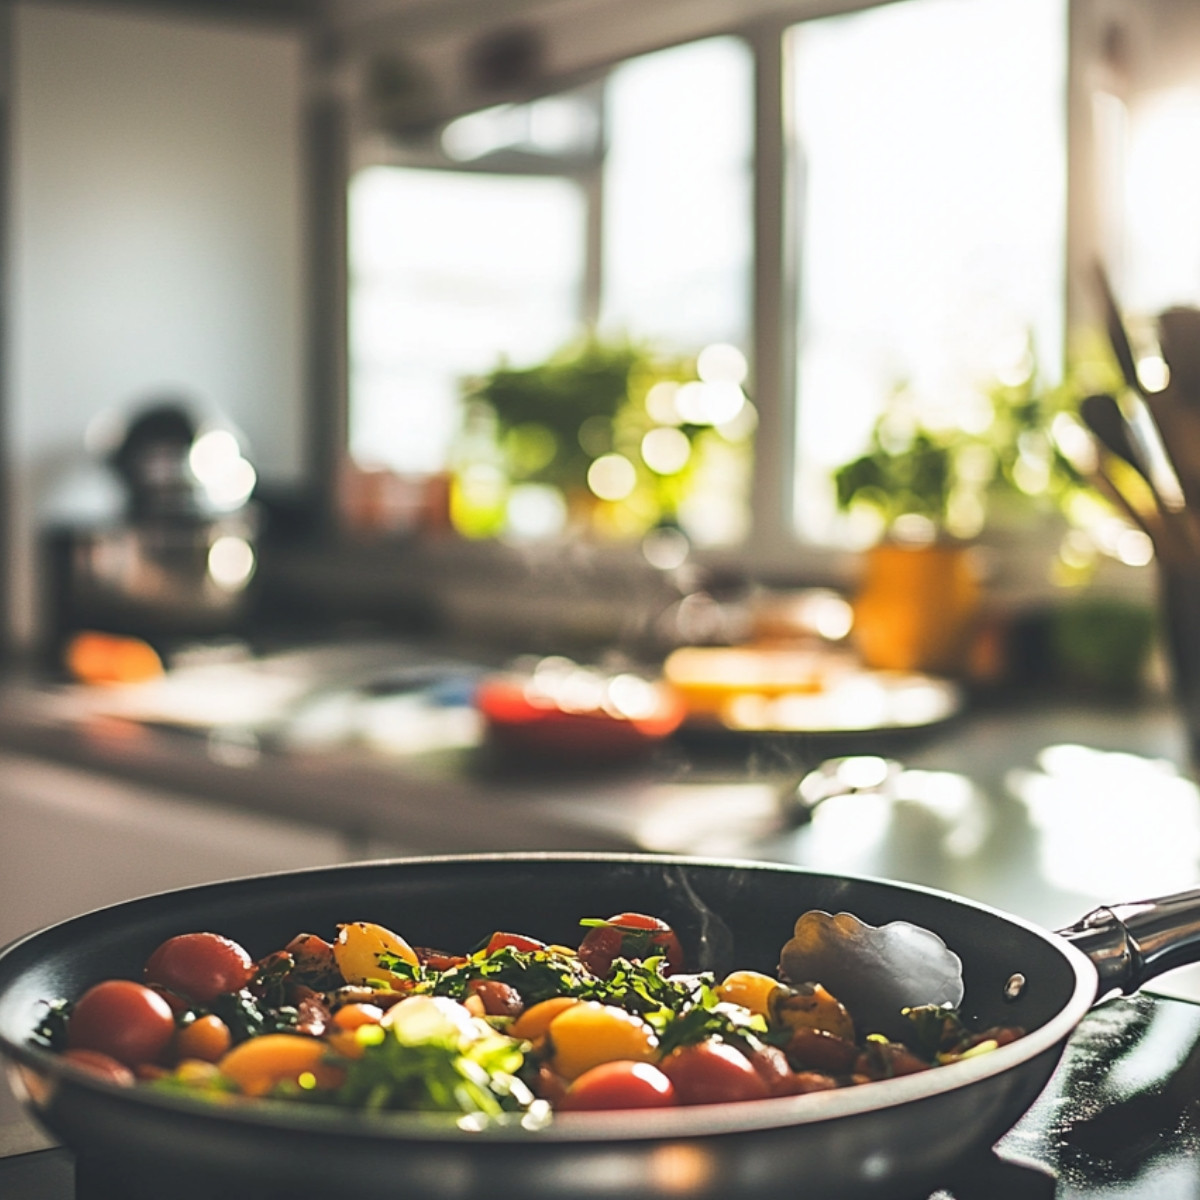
(104, 658)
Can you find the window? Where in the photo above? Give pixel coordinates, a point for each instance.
(930, 144)
(677, 196)
(451, 271)
(931, 138)
(522, 237)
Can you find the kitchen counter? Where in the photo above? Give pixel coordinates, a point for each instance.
(1045, 807)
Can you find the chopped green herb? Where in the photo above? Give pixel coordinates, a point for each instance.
(247, 1017)
(398, 966)
(536, 974)
(936, 1030)
(433, 1060)
(706, 1019)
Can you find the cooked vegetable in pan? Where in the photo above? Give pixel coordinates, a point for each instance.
(513, 1031)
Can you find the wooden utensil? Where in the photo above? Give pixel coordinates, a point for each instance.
(1087, 454)
(1179, 337)
(1166, 443)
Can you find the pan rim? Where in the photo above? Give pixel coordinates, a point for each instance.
(594, 1127)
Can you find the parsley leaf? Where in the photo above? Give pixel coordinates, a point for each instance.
(247, 1017)
(434, 1060)
(536, 974)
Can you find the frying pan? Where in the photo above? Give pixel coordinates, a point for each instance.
(897, 1137)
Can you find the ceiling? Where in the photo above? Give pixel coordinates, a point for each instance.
(417, 63)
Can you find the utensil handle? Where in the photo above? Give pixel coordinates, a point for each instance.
(1131, 943)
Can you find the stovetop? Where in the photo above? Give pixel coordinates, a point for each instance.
(1120, 1120)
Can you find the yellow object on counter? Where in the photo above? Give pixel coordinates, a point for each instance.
(710, 677)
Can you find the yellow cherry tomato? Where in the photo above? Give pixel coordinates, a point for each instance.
(535, 1020)
(359, 947)
(750, 989)
(257, 1065)
(590, 1033)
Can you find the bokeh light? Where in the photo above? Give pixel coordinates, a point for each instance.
(535, 511)
(612, 477)
(722, 363)
(660, 402)
(217, 463)
(230, 562)
(666, 450)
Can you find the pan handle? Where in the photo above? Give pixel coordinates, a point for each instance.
(1131, 943)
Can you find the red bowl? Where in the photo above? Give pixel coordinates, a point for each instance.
(520, 720)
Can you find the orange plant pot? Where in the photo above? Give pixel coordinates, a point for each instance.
(917, 606)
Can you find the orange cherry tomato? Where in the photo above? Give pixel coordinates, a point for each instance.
(207, 1038)
(351, 1016)
(535, 1020)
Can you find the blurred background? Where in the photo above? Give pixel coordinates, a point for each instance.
(764, 429)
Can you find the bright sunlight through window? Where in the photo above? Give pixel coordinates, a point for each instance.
(450, 271)
(930, 152)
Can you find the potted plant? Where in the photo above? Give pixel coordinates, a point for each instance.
(593, 404)
(930, 488)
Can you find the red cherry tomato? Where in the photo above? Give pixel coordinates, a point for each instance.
(619, 1084)
(103, 1065)
(200, 966)
(600, 945)
(712, 1072)
(177, 1004)
(629, 935)
(514, 941)
(122, 1019)
(772, 1066)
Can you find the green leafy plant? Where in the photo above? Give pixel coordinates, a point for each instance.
(1000, 463)
(894, 477)
(548, 424)
(553, 419)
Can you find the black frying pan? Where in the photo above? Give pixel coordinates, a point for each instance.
(896, 1137)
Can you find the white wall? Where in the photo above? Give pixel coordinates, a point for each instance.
(156, 238)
